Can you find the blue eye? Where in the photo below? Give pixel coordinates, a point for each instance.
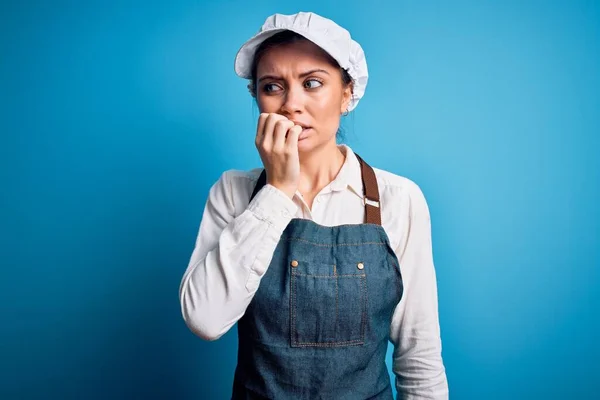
(312, 84)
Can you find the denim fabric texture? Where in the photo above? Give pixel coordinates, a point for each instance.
(318, 325)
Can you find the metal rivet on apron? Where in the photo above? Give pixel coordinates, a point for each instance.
(294, 263)
(360, 265)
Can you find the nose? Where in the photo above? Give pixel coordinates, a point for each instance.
(293, 102)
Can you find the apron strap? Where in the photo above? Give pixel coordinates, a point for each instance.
(370, 191)
(262, 181)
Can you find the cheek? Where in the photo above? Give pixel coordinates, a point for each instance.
(326, 111)
(267, 104)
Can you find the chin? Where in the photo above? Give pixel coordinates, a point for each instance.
(305, 145)
(313, 142)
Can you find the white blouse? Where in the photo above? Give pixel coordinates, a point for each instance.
(236, 241)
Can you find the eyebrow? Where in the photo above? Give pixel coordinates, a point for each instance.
(302, 75)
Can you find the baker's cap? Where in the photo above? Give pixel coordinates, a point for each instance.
(325, 33)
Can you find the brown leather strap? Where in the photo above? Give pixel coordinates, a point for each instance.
(370, 191)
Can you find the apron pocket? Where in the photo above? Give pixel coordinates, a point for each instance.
(328, 305)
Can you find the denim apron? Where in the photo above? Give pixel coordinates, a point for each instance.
(318, 326)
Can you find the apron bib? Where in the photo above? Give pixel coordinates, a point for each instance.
(318, 325)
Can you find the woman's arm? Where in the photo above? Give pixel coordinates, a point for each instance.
(415, 331)
(231, 254)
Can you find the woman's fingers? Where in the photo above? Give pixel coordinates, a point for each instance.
(275, 134)
(292, 138)
(280, 133)
(277, 143)
(260, 129)
(271, 131)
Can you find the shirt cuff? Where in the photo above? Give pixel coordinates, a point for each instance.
(272, 205)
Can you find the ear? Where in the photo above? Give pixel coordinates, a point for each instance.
(251, 89)
(346, 97)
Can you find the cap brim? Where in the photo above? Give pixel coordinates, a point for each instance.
(245, 55)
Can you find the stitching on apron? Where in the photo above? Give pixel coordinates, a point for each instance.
(335, 333)
(293, 308)
(329, 276)
(293, 300)
(332, 245)
(364, 305)
(336, 344)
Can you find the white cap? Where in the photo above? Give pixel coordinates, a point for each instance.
(325, 33)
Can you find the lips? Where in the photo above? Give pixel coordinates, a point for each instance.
(304, 134)
(304, 126)
(305, 129)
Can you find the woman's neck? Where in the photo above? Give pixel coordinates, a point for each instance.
(319, 167)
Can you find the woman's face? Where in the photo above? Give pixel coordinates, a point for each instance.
(298, 81)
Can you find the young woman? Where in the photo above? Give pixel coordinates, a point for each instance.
(319, 258)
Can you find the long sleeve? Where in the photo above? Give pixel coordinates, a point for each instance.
(231, 255)
(415, 331)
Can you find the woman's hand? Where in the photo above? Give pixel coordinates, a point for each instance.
(277, 143)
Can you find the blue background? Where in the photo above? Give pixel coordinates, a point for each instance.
(116, 118)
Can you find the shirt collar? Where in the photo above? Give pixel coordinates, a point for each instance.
(350, 175)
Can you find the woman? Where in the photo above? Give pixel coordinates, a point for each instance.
(318, 257)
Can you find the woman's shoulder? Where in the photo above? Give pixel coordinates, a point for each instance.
(241, 177)
(396, 189)
(236, 186)
(402, 204)
(390, 181)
